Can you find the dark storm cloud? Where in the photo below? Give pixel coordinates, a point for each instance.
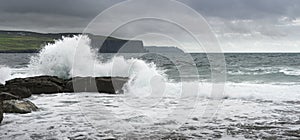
(51, 15)
(78, 8)
(237, 23)
(246, 8)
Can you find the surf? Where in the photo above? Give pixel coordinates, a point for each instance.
(74, 56)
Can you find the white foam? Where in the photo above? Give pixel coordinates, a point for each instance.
(293, 71)
(290, 71)
(5, 74)
(73, 56)
(234, 90)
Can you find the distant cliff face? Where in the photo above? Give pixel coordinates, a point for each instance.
(8, 43)
(156, 49)
(112, 45)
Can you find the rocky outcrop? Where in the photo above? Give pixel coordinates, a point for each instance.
(114, 45)
(1, 87)
(25, 87)
(20, 91)
(111, 85)
(102, 43)
(18, 106)
(3, 95)
(159, 49)
(35, 85)
(1, 109)
(1, 103)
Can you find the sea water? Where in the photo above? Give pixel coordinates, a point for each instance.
(167, 96)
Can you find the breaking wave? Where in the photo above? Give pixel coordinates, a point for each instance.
(73, 56)
(289, 71)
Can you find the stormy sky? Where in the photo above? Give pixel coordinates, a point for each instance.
(239, 25)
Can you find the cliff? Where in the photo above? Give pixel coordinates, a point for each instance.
(32, 42)
(114, 45)
(156, 49)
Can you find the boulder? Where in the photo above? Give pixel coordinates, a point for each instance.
(110, 85)
(18, 106)
(25, 87)
(17, 90)
(1, 87)
(35, 85)
(2, 97)
(1, 110)
(80, 84)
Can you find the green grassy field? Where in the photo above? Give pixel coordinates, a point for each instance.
(12, 42)
(19, 41)
(28, 42)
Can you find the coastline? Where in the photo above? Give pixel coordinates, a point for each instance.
(19, 51)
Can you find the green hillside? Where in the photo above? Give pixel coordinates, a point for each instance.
(18, 41)
(30, 42)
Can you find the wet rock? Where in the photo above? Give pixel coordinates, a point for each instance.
(18, 106)
(1, 109)
(35, 85)
(25, 87)
(1, 87)
(8, 96)
(111, 85)
(3, 95)
(20, 91)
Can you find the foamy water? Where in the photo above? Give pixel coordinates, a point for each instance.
(158, 102)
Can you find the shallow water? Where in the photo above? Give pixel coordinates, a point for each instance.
(100, 116)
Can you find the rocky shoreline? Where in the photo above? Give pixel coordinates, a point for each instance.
(14, 91)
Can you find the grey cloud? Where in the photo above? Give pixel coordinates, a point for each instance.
(70, 14)
(246, 8)
(78, 8)
(50, 15)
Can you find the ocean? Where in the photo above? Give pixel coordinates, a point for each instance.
(168, 95)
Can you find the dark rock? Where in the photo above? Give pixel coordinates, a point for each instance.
(111, 45)
(35, 85)
(1, 88)
(111, 85)
(17, 90)
(1, 109)
(18, 106)
(81, 84)
(25, 87)
(8, 96)
(2, 97)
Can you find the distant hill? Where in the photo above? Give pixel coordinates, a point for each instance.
(31, 42)
(158, 49)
